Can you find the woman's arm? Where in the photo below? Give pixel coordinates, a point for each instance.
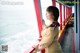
(41, 47)
(47, 40)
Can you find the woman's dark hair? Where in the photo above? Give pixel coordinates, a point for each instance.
(54, 10)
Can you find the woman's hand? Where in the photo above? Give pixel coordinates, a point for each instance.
(35, 46)
(40, 47)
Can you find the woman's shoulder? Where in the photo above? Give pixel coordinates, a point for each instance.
(47, 30)
(52, 28)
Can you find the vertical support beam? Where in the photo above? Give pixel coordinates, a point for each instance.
(64, 15)
(54, 2)
(60, 16)
(38, 15)
(69, 11)
(77, 26)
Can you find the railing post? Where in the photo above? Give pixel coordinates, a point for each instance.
(60, 16)
(64, 15)
(54, 2)
(38, 15)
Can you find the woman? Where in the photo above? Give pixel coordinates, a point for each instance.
(50, 33)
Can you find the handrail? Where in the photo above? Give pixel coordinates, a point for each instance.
(61, 31)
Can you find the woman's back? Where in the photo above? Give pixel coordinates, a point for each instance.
(49, 39)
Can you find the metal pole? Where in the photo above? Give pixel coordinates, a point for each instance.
(77, 26)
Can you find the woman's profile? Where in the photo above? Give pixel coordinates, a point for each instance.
(50, 33)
